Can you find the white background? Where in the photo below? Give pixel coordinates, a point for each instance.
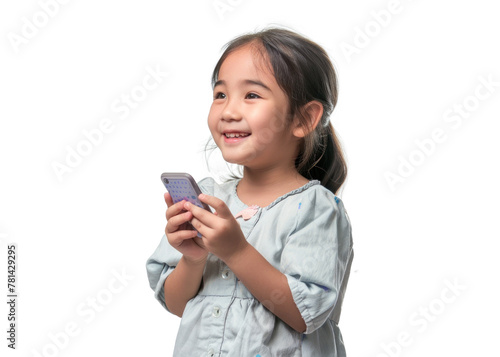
(437, 227)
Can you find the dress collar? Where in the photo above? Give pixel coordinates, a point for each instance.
(276, 201)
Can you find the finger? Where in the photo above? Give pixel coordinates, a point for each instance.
(199, 242)
(201, 214)
(176, 221)
(200, 227)
(219, 205)
(177, 238)
(168, 199)
(175, 209)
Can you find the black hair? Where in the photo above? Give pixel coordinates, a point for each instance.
(305, 73)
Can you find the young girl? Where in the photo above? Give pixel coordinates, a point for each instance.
(268, 276)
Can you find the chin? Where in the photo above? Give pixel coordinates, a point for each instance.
(242, 158)
(232, 160)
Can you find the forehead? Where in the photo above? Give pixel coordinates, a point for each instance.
(248, 60)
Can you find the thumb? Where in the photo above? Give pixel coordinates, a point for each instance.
(168, 199)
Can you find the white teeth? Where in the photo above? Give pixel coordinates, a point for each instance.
(235, 135)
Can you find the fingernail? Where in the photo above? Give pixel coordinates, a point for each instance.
(201, 196)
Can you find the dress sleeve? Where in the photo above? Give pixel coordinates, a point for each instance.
(159, 266)
(317, 256)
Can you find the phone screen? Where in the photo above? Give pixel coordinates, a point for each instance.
(181, 186)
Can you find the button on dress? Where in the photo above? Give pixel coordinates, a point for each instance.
(306, 234)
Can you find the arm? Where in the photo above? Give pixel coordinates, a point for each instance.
(183, 284)
(223, 237)
(273, 291)
(316, 277)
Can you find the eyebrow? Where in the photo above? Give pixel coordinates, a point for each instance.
(247, 82)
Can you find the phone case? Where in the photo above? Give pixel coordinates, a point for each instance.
(181, 186)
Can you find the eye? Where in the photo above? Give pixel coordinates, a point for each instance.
(219, 95)
(252, 96)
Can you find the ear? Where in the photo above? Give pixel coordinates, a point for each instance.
(313, 111)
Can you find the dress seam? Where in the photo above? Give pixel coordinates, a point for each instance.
(277, 200)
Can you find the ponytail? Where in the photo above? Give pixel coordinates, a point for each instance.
(326, 162)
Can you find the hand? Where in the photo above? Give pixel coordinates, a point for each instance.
(222, 235)
(179, 235)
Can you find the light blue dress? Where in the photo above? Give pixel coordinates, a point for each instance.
(306, 235)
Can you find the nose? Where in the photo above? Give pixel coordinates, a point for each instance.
(231, 111)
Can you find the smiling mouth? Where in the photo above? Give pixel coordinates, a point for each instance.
(236, 135)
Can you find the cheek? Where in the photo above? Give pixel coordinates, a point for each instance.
(212, 120)
(272, 120)
(213, 131)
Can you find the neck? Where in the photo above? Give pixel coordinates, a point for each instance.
(263, 186)
(268, 177)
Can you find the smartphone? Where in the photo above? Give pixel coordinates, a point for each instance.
(182, 186)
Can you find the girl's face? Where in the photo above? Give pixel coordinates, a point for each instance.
(248, 115)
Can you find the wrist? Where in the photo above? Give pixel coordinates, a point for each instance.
(239, 254)
(195, 262)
